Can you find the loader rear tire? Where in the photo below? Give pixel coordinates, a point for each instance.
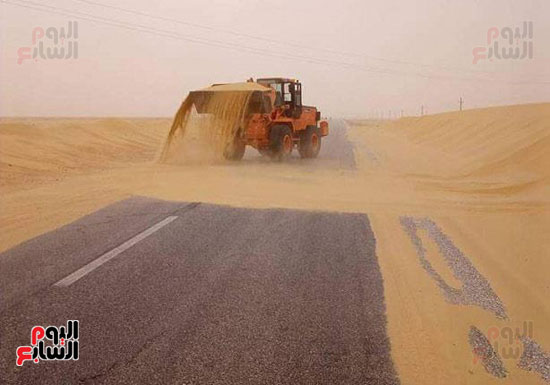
(281, 142)
(310, 142)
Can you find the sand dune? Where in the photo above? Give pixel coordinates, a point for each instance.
(482, 176)
(37, 151)
(500, 150)
(512, 141)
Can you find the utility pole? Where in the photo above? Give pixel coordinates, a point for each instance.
(461, 101)
(422, 110)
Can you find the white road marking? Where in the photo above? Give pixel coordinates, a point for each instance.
(71, 278)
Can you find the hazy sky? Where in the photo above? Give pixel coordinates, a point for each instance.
(354, 57)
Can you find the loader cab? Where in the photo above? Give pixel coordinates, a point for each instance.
(287, 92)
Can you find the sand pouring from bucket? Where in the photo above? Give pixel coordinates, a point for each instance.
(207, 122)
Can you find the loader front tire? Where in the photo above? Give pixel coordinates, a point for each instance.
(281, 142)
(234, 151)
(310, 142)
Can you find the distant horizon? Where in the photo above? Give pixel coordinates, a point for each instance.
(329, 117)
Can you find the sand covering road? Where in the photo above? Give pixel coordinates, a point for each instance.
(481, 176)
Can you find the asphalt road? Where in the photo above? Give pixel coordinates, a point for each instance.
(214, 295)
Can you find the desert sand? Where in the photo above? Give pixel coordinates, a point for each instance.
(483, 176)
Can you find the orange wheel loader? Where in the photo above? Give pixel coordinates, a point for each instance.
(275, 120)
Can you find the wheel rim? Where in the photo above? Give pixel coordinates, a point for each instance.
(314, 142)
(287, 144)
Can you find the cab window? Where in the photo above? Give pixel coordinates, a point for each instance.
(298, 95)
(286, 93)
(278, 87)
